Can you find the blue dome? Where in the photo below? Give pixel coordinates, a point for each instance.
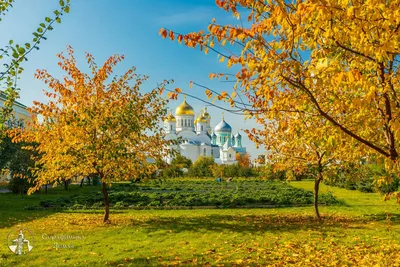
(238, 135)
(223, 127)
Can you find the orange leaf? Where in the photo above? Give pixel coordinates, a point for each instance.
(163, 33)
(180, 37)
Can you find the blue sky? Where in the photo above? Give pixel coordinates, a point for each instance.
(128, 27)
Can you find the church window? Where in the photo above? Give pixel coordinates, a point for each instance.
(170, 127)
(230, 155)
(205, 151)
(181, 122)
(202, 127)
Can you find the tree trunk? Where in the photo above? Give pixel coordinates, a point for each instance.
(46, 189)
(82, 182)
(106, 202)
(65, 184)
(316, 190)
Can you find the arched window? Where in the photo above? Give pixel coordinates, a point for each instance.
(181, 122)
(170, 127)
(205, 151)
(201, 127)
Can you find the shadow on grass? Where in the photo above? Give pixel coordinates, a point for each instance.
(13, 206)
(249, 223)
(196, 260)
(392, 217)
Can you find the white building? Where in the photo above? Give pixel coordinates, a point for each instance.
(196, 138)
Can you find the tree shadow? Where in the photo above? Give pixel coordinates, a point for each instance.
(16, 209)
(250, 223)
(394, 218)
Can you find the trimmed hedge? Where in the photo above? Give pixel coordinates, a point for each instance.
(189, 193)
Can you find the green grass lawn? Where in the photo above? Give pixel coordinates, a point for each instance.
(364, 232)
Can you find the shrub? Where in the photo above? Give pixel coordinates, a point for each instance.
(194, 193)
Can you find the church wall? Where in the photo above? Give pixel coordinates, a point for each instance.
(205, 151)
(184, 122)
(188, 135)
(222, 137)
(215, 152)
(190, 151)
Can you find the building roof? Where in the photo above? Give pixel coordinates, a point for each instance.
(3, 97)
(223, 126)
(170, 118)
(184, 109)
(206, 114)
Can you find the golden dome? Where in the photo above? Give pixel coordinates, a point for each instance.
(206, 114)
(202, 118)
(170, 118)
(184, 109)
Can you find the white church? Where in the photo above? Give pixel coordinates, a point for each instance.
(197, 138)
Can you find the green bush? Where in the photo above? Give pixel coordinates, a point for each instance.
(19, 185)
(201, 167)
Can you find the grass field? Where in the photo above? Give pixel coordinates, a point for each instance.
(363, 232)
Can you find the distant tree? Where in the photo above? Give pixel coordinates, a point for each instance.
(243, 160)
(175, 169)
(181, 161)
(260, 159)
(12, 55)
(218, 170)
(172, 171)
(17, 162)
(202, 167)
(232, 170)
(90, 126)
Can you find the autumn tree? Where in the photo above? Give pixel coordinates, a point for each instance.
(336, 60)
(13, 55)
(260, 159)
(297, 145)
(243, 160)
(95, 124)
